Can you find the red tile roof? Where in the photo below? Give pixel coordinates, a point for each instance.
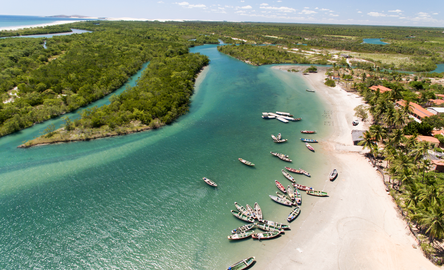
(429, 139)
(439, 95)
(437, 101)
(416, 109)
(381, 88)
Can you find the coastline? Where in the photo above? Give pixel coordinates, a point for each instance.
(357, 226)
(11, 28)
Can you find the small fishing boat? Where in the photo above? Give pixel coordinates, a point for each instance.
(250, 211)
(301, 187)
(266, 235)
(284, 113)
(242, 235)
(267, 228)
(274, 137)
(308, 131)
(209, 182)
(242, 216)
(281, 141)
(289, 118)
(268, 116)
(293, 170)
(309, 140)
(288, 176)
(294, 214)
(280, 226)
(309, 90)
(317, 193)
(246, 162)
(333, 175)
(304, 172)
(279, 136)
(280, 186)
(281, 201)
(290, 192)
(258, 211)
(298, 196)
(241, 209)
(283, 120)
(281, 156)
(284, 197)
(309, 147)
(297, 119)
(242, 264)
(244, 228)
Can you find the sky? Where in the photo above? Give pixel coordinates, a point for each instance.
(370, 12)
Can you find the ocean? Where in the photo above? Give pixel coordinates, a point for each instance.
(139, 201)
(16, 20)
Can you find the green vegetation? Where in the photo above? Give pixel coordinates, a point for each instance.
(330, 83)
(61, 28)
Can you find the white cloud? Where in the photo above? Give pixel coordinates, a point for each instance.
(376, 14)
(396, 11)
(334, 15)
(307, 12)
(279, 1)
(263, 4)
(359, 11)
(436, 13)
(246, 7)
(183, 3)
(160, 2)
(282, 9)
(188, 5)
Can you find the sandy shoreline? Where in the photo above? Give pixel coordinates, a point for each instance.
(357, 227)
(35, 25)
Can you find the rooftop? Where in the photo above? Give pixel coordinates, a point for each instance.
(416, 109)
(381, 88)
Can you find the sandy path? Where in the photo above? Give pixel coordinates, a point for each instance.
(357, 227)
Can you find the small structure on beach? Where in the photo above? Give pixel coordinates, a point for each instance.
(357, 136)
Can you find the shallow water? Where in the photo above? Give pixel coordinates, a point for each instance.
(138, 201)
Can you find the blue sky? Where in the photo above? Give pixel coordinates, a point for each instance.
(373, 12)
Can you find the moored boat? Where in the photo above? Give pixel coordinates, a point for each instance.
(281, 156)
(242, 216)
(283, 120)
(284, 197)
(258, 211)
(280, 186)
(266, 235)
(244, 228)
(209, 182)
(294, 214)
(279, 136)
(241, 209)
(250, 211)
(289, 118)
(284, 113)
(304, 172)
(276, 224)
(297, 119)
(274, 137)
(242, 235)
(309, 90)
(290, 192)
(309, 140)
(333, 175)
(308, 131)
(293, 170)
(242, 264)
(309, 147)
(267, 228)
(288, 176)
(301, 187)
(281, 201)
(317, 193)
(298, 196)
(246, 162)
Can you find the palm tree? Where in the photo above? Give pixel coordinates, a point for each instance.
(433, 219)
(402, 167)
(378, 132)
(368, 142)
(400, 119)
(396, 137)
(421, 149)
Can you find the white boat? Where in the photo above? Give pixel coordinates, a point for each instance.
(268, 116)
(279, 136)
(209, 182)
(284, 113)
(282, 119)
(288, 118)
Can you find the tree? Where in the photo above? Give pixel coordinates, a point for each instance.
(49, 131)
(361, 112)
(368, 142)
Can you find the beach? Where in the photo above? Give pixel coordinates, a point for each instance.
(11, 28)
(357, 226)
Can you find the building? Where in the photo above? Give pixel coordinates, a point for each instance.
(432, 140)
(381, 88)
(436, 110)
(416, 111)
(438, 165)
(357, 136)
(437, 102)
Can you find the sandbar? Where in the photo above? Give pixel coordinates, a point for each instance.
(9, 28)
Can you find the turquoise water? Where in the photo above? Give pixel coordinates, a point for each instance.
(439, 69)
(17, 20)
(139, 202)
(376, 41)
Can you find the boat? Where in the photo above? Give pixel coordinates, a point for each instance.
(251, 211)
(281, 156)
(317, 193)
(282, 119)
(266, 235)
(242, 264)
(297, 119)
(290, 192)
(276, 224)
(244, 228)
(242, 216)
(281, 201)
(288, 176)
(242, 235)
(279, 136)
(294, 214)
(309, 140)
(284, 197)
(267, 228)
(209, 182)
(281, 141)
(309, 147)
(284, 113)
(304, 172)
(241, 209)
(309, 90)
(289, 118)
(293, 170)
(246, 162)
(333, 175)
(258, 210)
(280, 186)
(301, 187)
(268, 116)
(298, 196)
(308, 131)
(274, 137)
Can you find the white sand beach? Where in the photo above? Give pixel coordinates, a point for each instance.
(35, 25)
(357, 226)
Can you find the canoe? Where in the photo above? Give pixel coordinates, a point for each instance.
(284, 113)
(244, 228)
(250, 211)
(317, 193)
(281, 201)
(267, 228)
(274, 137)
(242, 264)
(309, 140)
(280, 118)
(288, 176)
(309, 147)
(241, 209)
(309, 90)
(242, 216)
(293, 170)
(298, 196)
(266, 235)
(294, 214)
(279, 136)
(297, 119)
(280, 186)
(276, 224)
(281, 141)
(304, 172)
(333, 175)
(281, 156)
(301, 187)
(284, 197)
(246, 162)
(290, 192)
(209, 182)
(308, 131)
(290, 118)
(268, 116)
(258, 210)
(242, 235)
